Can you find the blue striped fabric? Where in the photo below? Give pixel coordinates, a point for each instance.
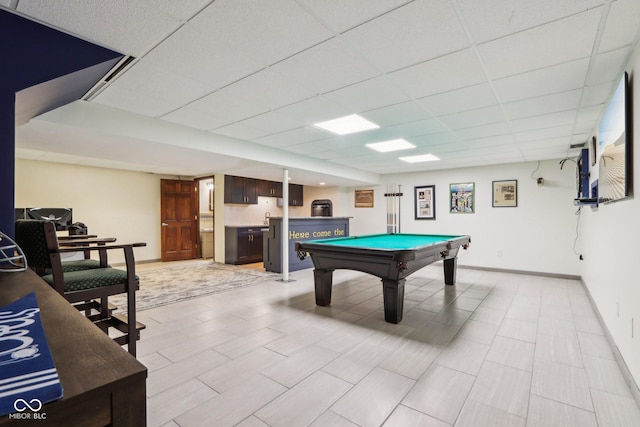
(28, 377)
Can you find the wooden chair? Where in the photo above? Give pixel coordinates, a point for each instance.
(40, 245)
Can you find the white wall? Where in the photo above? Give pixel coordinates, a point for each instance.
(116, 203)
(611, 267)
(537, 235)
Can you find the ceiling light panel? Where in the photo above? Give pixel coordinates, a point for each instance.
(419, 158)
(391, 145)
(347, 125)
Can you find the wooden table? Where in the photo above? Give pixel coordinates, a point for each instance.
(103, 384)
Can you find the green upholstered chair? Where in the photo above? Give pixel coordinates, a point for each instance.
(40, 245)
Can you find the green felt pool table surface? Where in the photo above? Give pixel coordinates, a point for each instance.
(388, 241)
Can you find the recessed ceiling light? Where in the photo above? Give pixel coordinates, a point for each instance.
(323, 183)
(348, 124)
(392, 145)
(420, 158)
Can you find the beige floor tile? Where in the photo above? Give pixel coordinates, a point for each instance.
(234, 372)
(304, 402)
(440, 393)
(614, 410)
(235, 404)
(331, 419)
(476, 414)
(514, 353)
(502, 387)
(167, 405)
(563, 383)
(545, 412)
(403, 416)
(463, 355)
(371, 401)
(299, 365)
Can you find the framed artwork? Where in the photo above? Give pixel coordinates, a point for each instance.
(505, 193)
(425, 202)
(364, 198)
(462, 198)
(594, 151)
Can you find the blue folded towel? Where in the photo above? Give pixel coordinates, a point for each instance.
(28, 377)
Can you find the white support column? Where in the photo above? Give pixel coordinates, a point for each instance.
(285, 225)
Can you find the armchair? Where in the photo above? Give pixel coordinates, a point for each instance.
(40, 245)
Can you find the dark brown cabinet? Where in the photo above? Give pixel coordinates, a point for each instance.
(243, 245)
(296, 195)
(238, 189)
(269, 188)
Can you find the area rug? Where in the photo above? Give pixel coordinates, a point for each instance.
(168, 285)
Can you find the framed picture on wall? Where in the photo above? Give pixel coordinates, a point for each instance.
(462, 198)
(505, 193)
(364, 198)
(425, 202)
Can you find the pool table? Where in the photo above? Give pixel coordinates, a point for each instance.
(391, 257)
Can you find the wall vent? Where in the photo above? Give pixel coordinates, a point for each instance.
(113, 73)
(580, 145)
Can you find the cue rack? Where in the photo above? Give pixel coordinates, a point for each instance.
(393, 195)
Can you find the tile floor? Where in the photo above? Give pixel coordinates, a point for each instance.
(495, 350)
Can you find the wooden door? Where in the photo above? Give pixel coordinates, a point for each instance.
(178, 220)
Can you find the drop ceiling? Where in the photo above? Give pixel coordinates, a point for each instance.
(235, 86)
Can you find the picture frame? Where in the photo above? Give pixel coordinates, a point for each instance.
(505, 193)
(462, 198)
(363, 198)
(425, 202)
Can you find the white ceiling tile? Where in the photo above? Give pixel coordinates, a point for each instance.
(368, 95)
(191, 54)
(481, 116)
(543, 104)
(183, 10)
(147, 79)
(572, 38)
(418, 31)
(538, 122)
(456, 101)
(396, 114)
(271, 122)
(265, 31)
(440, 75)
(340, 15)
(492, 19)
(545, 133)
(558, 78)
(270, 88)
(585, 127)
(596, 95)
(590, 114)
(326, 67)
(607, 66)
(314, 110)
(128, 27)
(494, 129)
(622, 25)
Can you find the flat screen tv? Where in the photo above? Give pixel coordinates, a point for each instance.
(615, 146)
(61, 217)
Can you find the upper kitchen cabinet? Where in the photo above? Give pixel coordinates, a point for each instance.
(238, 189)
(296, 195)
(269, 188)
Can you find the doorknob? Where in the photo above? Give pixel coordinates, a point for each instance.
(164, 224)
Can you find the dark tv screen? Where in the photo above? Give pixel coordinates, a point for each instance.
(61, 217)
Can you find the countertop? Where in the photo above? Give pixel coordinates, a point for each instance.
(313, 217)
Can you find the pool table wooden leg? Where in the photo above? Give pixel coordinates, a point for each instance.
(393, 295)
(323, 282)
(450, 266)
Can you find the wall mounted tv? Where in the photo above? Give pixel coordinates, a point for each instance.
(61, 217)
(615, 146)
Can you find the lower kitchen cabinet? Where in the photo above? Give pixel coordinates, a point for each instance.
(243, 245)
